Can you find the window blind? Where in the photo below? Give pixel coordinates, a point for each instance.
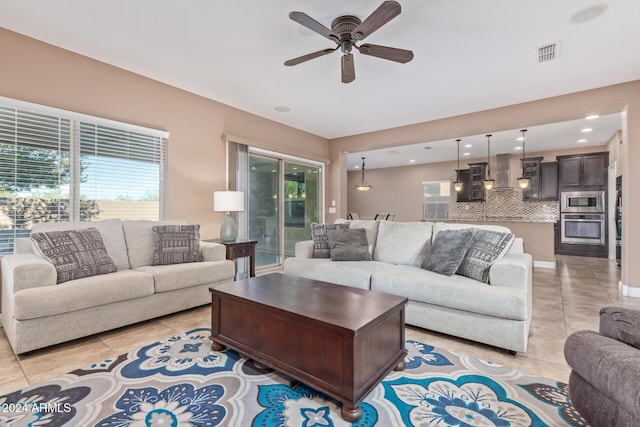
(55, 168)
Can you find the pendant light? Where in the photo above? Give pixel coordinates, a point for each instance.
(523, 181)
(363, 185)
(488, 181)
(458, 184)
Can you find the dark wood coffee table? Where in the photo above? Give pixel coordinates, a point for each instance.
(339, 340)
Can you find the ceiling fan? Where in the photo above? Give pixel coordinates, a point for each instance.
(346, 31)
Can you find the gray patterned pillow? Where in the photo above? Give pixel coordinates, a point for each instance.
(484, 249)
(176, 244)
(349, 245)
(74, 253)
(447, 251)
(320, 239)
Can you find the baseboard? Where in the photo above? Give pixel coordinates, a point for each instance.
(629, 291)
(544, 264)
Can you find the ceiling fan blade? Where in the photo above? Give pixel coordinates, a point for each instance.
(307, 21)
(384, 52)
(348, 68)
(383, 14)
(308, 56)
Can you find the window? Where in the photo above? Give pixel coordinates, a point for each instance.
(436, 199)
(57, 165)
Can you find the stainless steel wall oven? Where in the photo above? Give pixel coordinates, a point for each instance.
(583, 228)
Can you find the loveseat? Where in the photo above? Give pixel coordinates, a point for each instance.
(497, 313)
(604, 385)
(38, 312)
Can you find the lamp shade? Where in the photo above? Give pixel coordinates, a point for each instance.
(228, 201)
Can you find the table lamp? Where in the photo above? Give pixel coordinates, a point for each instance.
(228, 201)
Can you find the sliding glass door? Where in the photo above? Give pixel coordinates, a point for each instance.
(284, 199)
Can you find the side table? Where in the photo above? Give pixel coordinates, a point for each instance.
(241, 248)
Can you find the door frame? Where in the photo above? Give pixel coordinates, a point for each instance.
(282, 158)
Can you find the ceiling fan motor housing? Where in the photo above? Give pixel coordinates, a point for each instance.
(343, 26)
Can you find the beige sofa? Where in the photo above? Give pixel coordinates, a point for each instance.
(497, 313)
(37, 312)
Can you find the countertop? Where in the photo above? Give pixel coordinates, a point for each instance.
(499, 220)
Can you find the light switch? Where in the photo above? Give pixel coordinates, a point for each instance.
(332, 210)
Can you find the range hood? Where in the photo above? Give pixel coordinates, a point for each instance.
(503, 171)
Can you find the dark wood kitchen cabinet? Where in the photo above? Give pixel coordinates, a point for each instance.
(478, 172)
(543, 179)
(464, 175)
(549, 181)
(473, 183)
(583, 170)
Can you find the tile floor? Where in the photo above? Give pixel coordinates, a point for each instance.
(565, 300)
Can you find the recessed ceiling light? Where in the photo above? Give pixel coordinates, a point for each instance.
(518, 148)
(412, 161)
(585, 130)
(520, 139)
(580, 141)
(588, 14)
(592, 116)
(357, 166)
(282, 109)
(466, 154)
(468, 145)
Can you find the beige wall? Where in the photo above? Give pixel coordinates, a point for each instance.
(614, 146)
(623, 98)
(37, 72)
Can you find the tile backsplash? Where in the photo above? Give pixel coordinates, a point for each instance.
(507, 204)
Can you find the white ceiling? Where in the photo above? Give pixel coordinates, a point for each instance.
(469, 55)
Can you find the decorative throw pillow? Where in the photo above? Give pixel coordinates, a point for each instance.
(447, 251)
(320, 239)
(176, 244)
(349, 245)
(484, 249)
(74, 253)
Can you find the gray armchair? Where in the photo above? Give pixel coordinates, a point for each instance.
(604, 385)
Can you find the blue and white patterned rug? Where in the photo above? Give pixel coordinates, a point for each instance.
(181, 382)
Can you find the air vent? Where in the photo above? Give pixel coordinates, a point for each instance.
(548, 53)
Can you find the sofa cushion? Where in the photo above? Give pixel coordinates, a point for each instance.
(403, 242)
(447, 251)
(179, 276)
(370, 227)
(456, 292)
(320, 238)
(139, 238)
(348, 245)
(82, 293)
(110, 230)
(356, 274)
(74, 253)
(484, 249)
(176, 244)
